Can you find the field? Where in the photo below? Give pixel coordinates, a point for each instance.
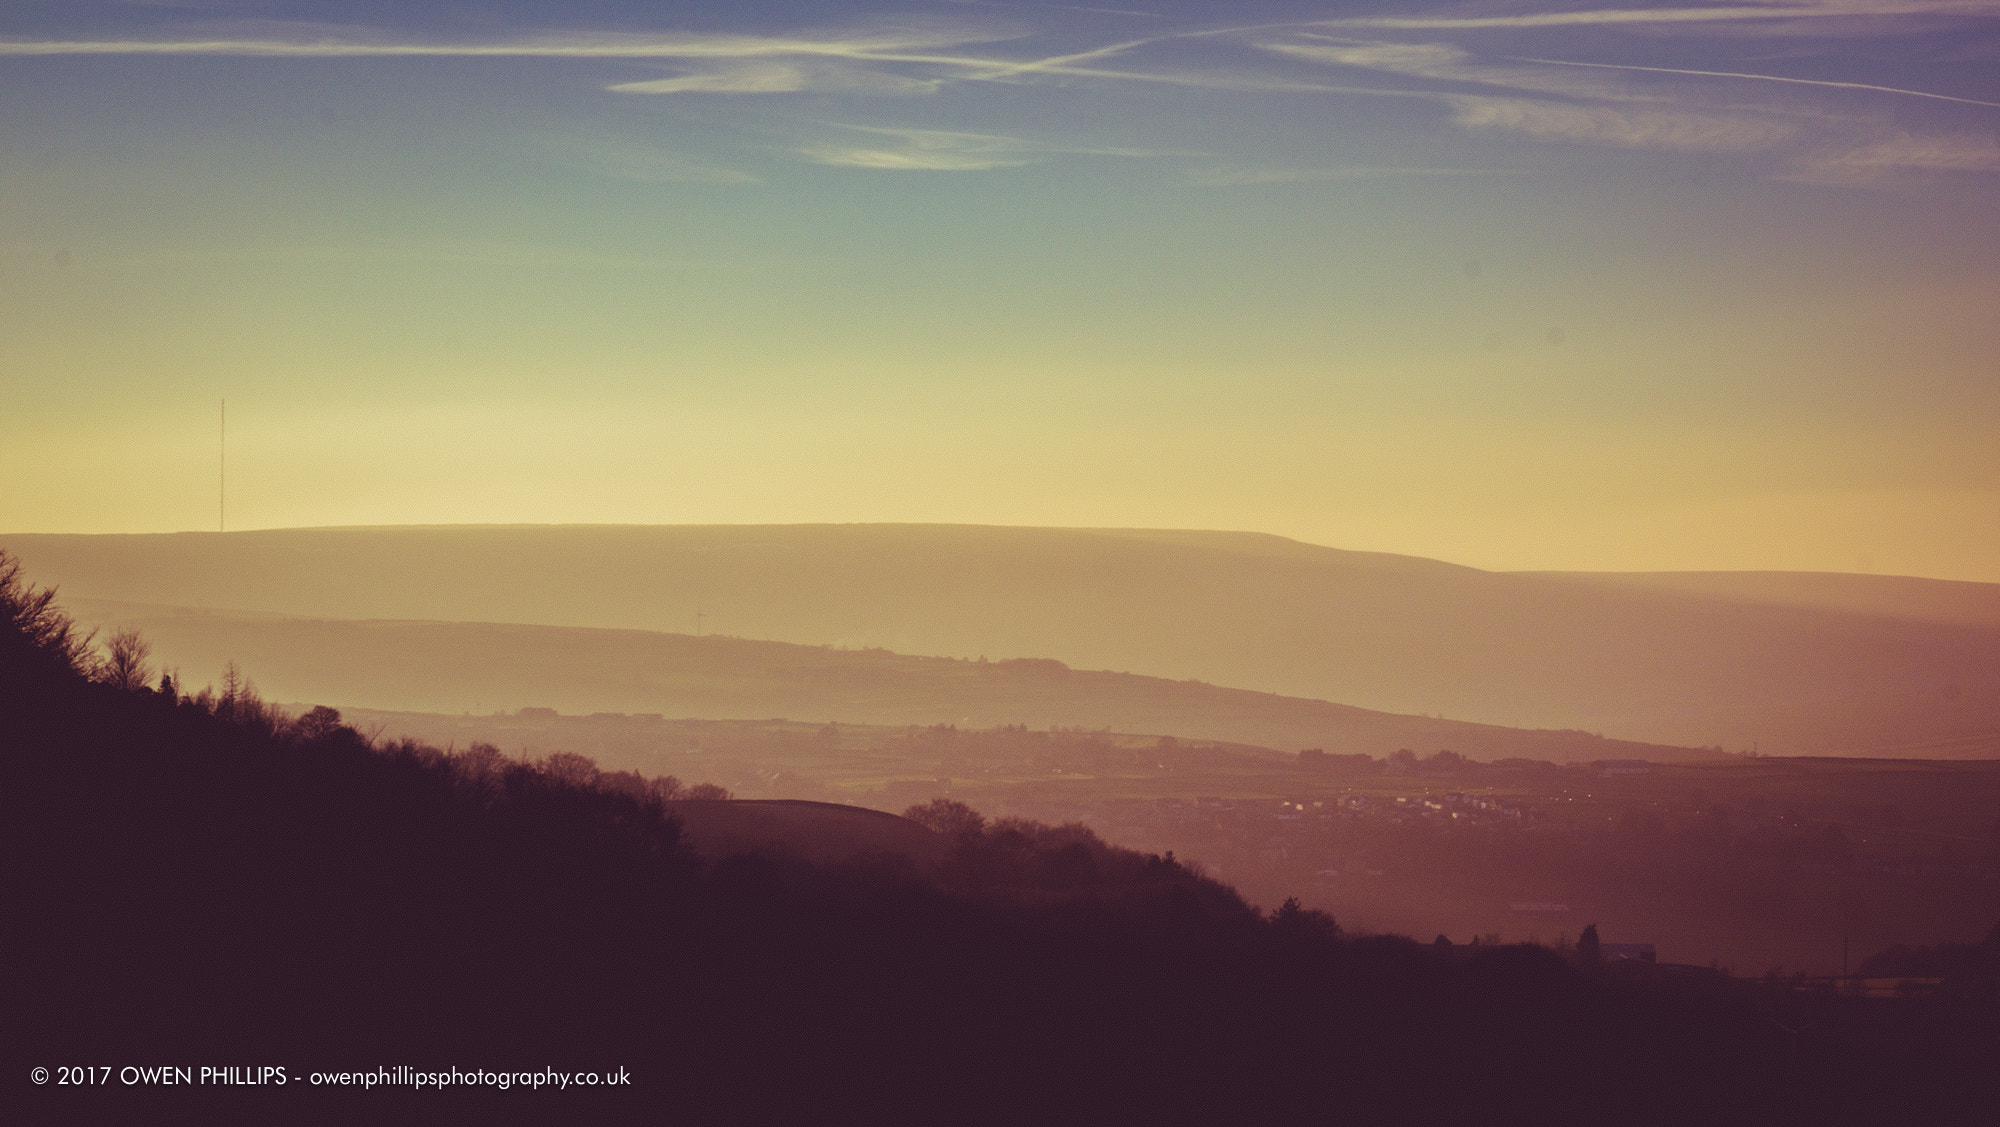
(1753, 863)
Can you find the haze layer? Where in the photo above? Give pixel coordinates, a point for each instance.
(1899, 666)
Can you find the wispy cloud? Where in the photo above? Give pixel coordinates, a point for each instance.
(1658, 129)
(1549, 98)
(744, 78)
(1768, 78)
(1553, 19)
(1605, 109)
(880, 52)
(1583, 109)
(939, 150)
(1901, 154)
(1636, 16)
(882, 45)
(1244, 177)
(1444, 62)
(771, 77)
(925, 150)
(1428, 59)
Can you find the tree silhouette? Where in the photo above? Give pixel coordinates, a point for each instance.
(31, 622)
(317, 724)
(570, 768)
(125, 664)
(197, 880)
(1295, 921)
(947, 816)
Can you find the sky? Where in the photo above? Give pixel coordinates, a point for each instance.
(1512, 284)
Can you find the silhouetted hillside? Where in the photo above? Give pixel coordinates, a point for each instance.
(202, 881)
(1394, 633)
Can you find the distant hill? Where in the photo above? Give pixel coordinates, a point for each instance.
(486, 667)
(536, 940)
(1947, 601)
(1805, 665)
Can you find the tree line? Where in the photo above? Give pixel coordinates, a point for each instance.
(205, 881)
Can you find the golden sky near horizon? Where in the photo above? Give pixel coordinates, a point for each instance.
(1527, 287)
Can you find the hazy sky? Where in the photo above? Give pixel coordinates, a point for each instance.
(1514, 285)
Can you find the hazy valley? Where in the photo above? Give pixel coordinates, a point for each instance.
(474, 667)
(1880, 666)
(967, 562)
(1399, 821)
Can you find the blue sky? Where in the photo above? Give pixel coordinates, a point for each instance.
(1516, 285)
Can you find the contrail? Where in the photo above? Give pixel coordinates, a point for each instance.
(1767, 78)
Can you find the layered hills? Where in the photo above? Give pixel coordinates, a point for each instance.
(478, 667)
(1780, 663)
(335, 917)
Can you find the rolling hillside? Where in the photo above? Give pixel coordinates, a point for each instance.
(488, 667)
(1688, 663)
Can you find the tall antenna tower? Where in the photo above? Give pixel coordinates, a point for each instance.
(222, 470)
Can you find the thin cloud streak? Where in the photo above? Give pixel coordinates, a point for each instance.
(874, 48)
(1768, 78)
(908, 51)
(1250, 177)
(926, 150)
(1229, 83)
(939, 150)
(1691, 132)
(1615, 16)
(1590, 111)
(1446, 63)
(908, 160)
(1059, 62)
(753, 78)
(770, 77)
(1901, 154)
(900, 60)
(884, 49)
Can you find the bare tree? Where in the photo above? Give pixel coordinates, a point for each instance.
(233, 684)
(241, 705)
(33, 614)
(125, 665)
(481, 769)
(571, 768)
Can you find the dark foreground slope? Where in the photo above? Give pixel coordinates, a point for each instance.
(1857, 674)
(191, 886)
